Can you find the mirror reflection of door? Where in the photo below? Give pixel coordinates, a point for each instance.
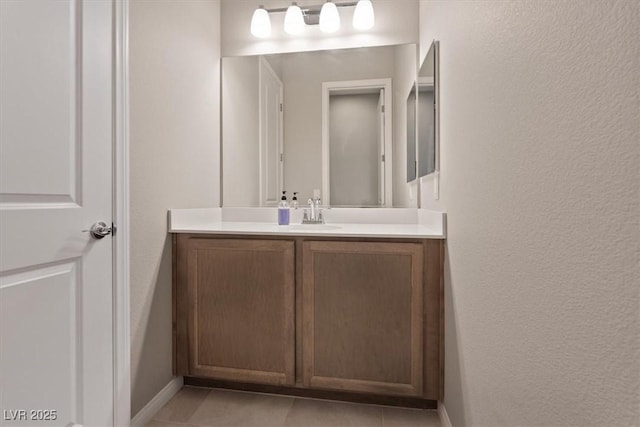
(271, 135)
(356, 143)
(356, 148)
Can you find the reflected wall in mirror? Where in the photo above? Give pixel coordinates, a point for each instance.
(428, 141)
(328, 120)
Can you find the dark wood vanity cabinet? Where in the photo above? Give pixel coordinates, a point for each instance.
(362, 316)
(236, 309)
(355, 315)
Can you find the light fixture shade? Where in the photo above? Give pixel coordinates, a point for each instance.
(363, 17)
(293, 20)
(329, 18)
(260, 23)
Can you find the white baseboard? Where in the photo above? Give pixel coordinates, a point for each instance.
(159, 400)
(444, 417)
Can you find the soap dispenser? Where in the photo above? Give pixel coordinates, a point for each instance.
(283, 210)
(294, 201)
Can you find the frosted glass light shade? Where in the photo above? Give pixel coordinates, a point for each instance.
(329, 18)
(293, 20)
(260, 23)
(363, 17)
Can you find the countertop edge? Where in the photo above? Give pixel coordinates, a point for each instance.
(311, 233)
(429, 225)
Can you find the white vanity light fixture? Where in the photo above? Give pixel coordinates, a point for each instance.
(261, 23)
(363, 17)
(329, 18)
(326, 15)
(293, 20)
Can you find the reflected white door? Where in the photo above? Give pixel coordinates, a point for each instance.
(357, 143)
(354, 149)
(271, 135)
(56, 345)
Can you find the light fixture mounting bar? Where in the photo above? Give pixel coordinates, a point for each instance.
(325, 15)
(311, 8)
(311, 14)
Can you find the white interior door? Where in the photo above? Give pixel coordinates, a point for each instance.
(56, 142)
(271, 135)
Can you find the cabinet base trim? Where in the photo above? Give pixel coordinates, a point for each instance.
(407, 402)
(237, 374)
(356, 386)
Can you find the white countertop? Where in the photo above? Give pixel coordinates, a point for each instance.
(424, 224)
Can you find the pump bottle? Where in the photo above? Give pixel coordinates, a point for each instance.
(283, 210)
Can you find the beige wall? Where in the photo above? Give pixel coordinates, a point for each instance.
(396, 23)
(540, 181)
(175, 56)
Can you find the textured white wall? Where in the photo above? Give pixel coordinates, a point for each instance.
(396, 23)
(540, 180)
(175, 83)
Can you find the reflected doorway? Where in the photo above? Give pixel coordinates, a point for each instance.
(357, 143)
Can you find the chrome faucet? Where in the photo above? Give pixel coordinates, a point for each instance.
(314, 214)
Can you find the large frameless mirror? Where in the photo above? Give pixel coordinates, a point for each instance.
(333, 121)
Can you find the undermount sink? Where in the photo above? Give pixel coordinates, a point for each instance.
(313, 227)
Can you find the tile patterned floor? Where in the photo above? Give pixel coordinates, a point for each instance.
(199, 407)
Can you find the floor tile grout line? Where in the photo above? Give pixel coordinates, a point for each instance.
(172, 422)
(187, 423)
(206, 397)
(284, 421)
(162, 420)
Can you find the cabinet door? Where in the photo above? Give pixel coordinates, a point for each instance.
(241, 310)
(362, 317)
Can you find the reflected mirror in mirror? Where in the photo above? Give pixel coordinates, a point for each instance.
(428, 80)
(333, 121)
(411, 135)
